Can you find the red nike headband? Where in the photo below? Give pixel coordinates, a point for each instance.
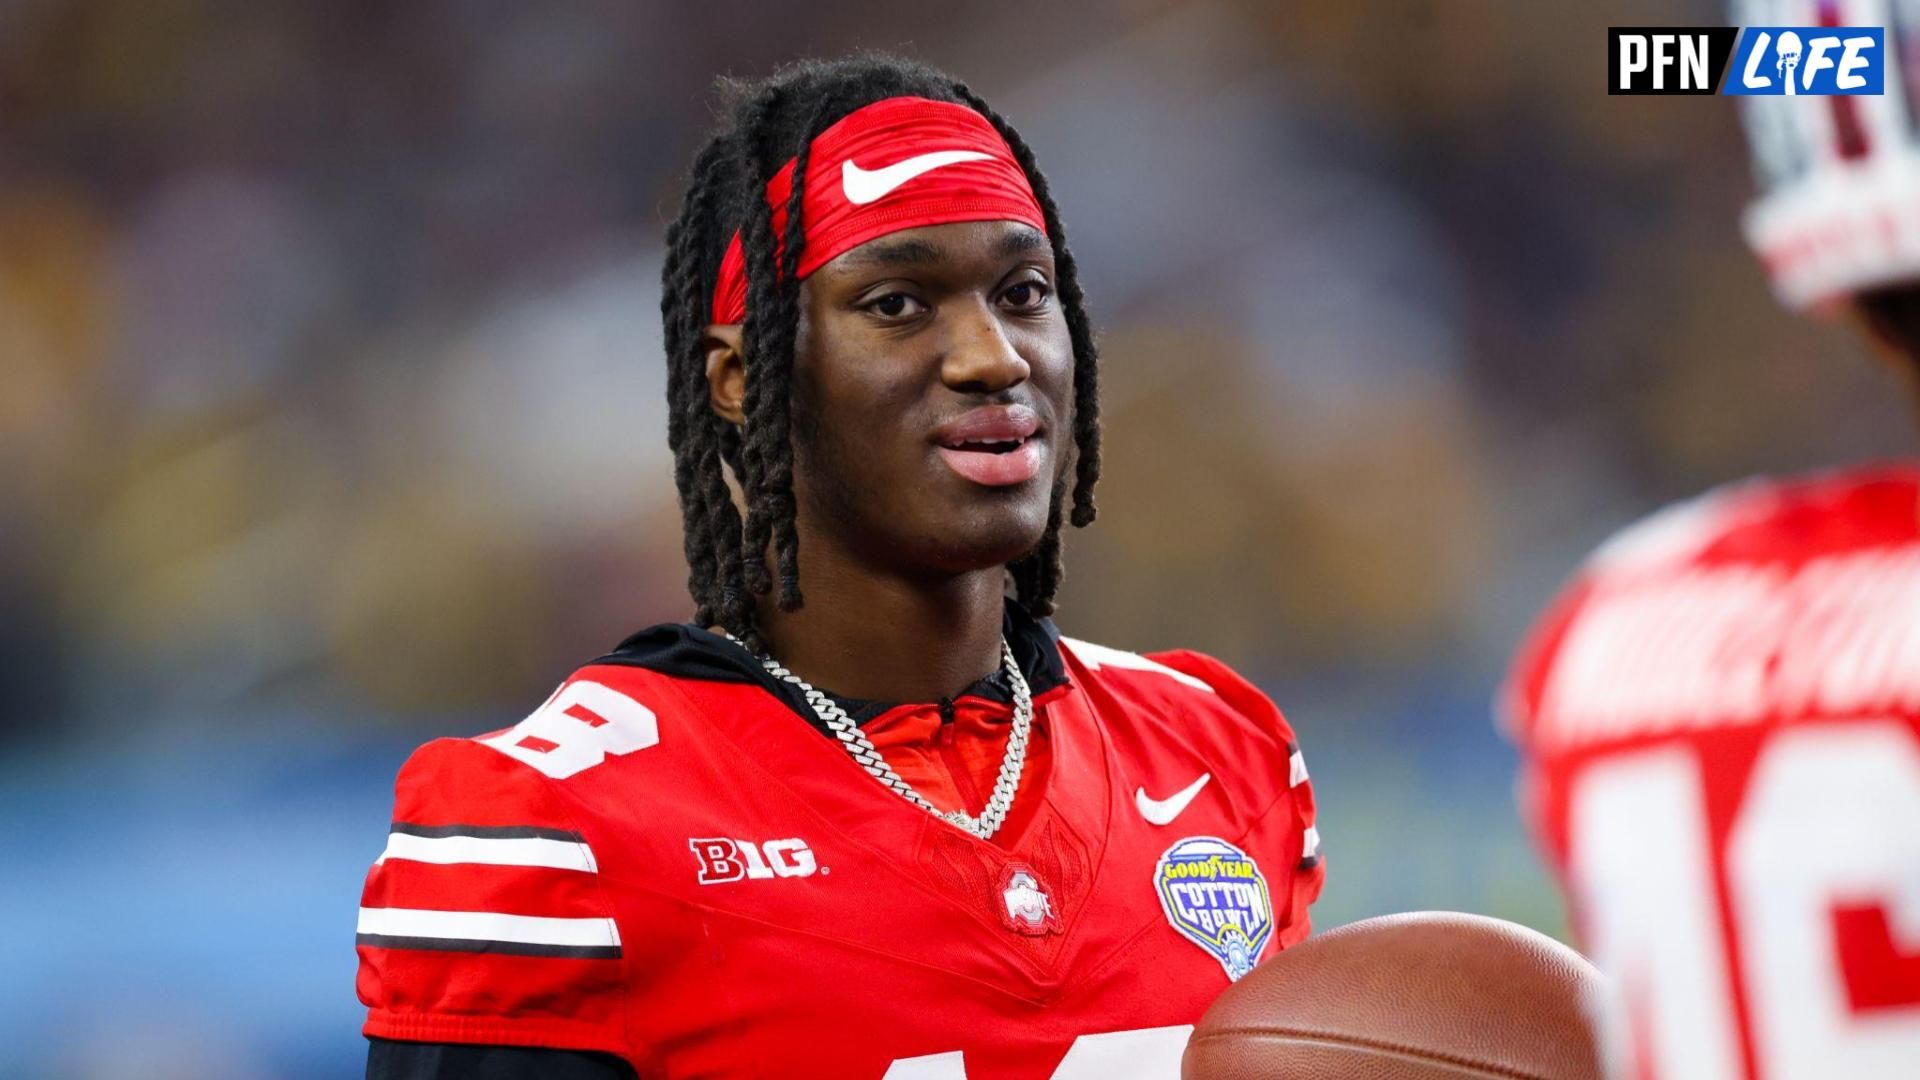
(899, 163)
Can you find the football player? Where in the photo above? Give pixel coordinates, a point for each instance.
(866, 814)
(1720, 717)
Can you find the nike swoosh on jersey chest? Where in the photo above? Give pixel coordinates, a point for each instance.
(770, 823)
(828, 898)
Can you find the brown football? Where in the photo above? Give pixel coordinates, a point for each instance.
(1421, 996)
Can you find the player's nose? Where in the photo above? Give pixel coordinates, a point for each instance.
(980, 357)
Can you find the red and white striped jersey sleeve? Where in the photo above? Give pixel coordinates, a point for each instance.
(484, 920)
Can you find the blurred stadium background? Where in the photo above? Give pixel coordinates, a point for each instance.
(332, 419)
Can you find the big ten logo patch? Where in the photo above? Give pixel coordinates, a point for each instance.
(723, 859)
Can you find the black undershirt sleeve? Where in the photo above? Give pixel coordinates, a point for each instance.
(391, 1060)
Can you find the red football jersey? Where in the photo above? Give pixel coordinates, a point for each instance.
(1721, 727)
(669, 861)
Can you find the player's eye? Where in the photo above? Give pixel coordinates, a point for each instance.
(1027, 295)
(895, 306)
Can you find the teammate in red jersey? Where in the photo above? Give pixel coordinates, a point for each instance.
(1721, 716)
(988, 850)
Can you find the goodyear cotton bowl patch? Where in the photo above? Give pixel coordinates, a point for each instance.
(1217, 898)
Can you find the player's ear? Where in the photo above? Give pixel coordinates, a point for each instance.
(726, 372)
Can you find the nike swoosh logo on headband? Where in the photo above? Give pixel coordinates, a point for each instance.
(863, 187)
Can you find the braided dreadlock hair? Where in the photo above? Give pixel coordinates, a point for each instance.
(772, 121)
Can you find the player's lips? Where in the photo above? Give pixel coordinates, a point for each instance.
(994, 445)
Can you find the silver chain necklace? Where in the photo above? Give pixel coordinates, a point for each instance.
(862, 750)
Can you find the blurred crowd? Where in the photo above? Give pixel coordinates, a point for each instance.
(332, 415)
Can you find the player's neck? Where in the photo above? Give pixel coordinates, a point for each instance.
(883, 638)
